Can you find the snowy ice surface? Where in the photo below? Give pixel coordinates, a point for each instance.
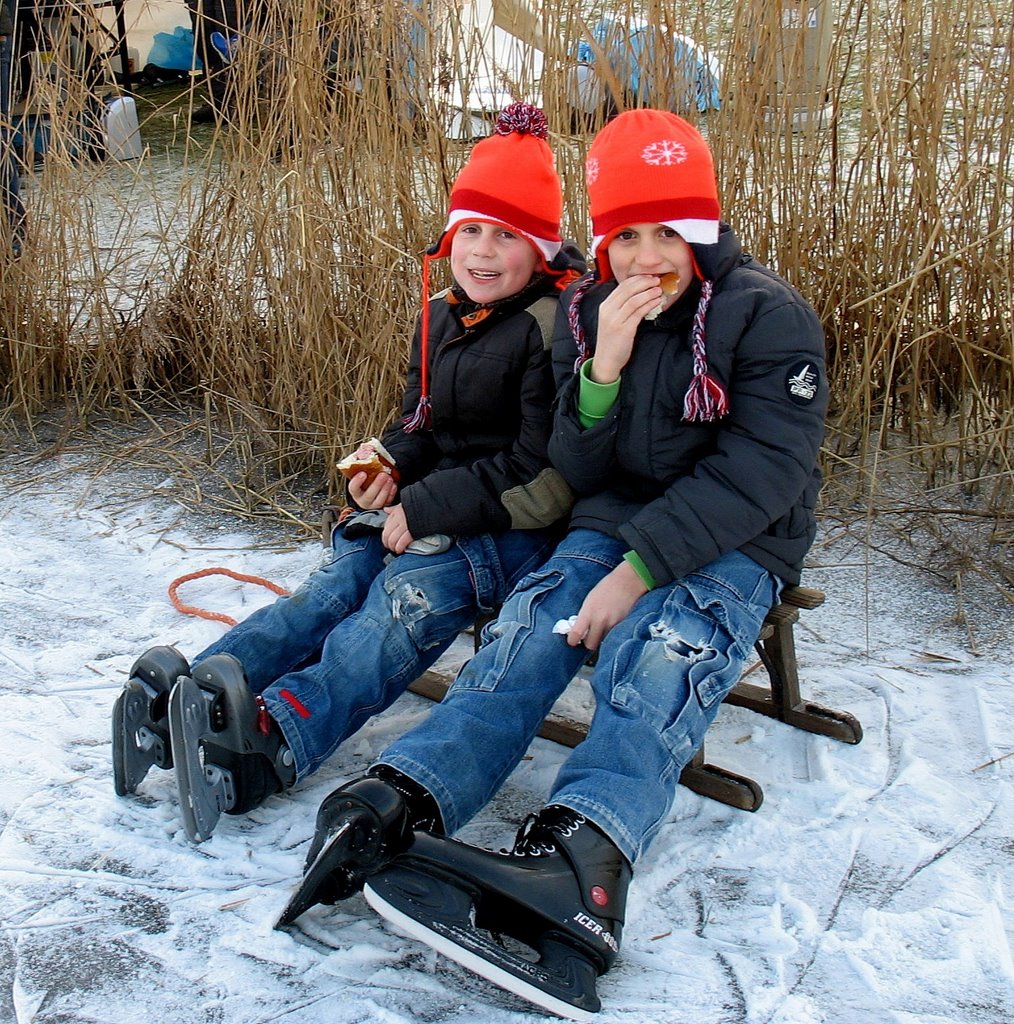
(873, 885)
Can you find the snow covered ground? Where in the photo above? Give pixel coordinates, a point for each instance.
(874, 884)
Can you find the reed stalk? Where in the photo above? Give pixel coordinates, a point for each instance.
(267, 267)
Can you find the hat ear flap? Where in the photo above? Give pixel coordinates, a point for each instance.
(422, 418)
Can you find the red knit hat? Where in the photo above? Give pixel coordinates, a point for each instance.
(650, 166)
(510, 179)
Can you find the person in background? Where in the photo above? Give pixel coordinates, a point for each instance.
(217, 27)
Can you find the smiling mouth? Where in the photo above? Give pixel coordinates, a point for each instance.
(484, 275)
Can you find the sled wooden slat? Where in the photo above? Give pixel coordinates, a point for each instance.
(779, 699)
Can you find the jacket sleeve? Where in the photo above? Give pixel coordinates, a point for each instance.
(513, 489)
(585, 457)
(416, 453)
(765, 454)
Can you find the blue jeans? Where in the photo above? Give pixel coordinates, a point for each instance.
(349, 641)
(660, 678)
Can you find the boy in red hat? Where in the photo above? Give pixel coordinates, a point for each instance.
(470, 510)
(689, 419)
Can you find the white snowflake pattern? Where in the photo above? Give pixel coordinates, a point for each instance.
(664, 153)
(591, 170)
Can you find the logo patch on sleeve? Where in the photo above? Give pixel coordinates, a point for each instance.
(802, 382)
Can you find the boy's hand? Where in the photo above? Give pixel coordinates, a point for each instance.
(608, 602)
(381, 492)
(396, 536)
(619, 317)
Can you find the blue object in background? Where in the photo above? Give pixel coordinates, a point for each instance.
(630, 48)
(226, 47)
(175, 52)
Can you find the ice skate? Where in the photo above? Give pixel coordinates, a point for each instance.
(542, 921)
(360, 828)
(140, 722)
(230, 755)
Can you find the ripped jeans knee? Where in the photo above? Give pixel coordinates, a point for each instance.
(431, 601)
(676, 681)
(682, 659)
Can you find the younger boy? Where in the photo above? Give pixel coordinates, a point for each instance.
(272, 699)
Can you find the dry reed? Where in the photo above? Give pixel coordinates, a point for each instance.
(268, 267)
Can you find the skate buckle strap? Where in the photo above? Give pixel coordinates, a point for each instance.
(263, 716)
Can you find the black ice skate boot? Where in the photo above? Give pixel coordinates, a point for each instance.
(560, 893)
(140, 724)
(360, 828)
(229, 753)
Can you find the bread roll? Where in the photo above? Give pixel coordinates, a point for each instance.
(371, 457)
(670, 284)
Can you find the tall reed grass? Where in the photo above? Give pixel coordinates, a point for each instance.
(268, 268)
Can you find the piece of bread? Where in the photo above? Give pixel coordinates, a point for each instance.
(669, 283)
(371, 457)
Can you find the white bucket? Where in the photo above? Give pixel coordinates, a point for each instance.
(123, 136)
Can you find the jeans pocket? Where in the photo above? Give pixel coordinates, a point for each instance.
(738, 601)
(519, 638)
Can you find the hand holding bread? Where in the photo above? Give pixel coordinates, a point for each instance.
(372, 475)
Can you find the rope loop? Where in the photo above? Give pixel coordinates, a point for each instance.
(201, 613)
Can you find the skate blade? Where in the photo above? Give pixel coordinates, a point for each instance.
(438, 914)
(135, 747)
(205, 791)
(315, 875)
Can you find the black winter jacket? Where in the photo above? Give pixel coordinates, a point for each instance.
(682, 494)
(483, 466)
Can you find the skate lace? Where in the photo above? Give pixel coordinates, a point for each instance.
(538, 832)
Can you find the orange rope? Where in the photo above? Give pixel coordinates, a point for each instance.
(189, 609)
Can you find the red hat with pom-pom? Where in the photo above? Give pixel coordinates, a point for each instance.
(510, 179)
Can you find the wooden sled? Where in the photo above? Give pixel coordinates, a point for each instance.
(781, 699)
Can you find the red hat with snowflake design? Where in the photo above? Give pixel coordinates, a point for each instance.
(650, 166)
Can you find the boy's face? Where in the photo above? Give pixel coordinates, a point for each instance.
(490, 262)
(651, 249)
